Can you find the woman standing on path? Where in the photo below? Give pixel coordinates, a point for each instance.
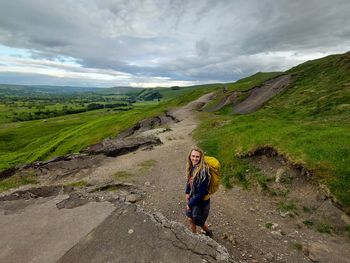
(197, 207)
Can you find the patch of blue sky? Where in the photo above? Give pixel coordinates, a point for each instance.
(14, 52)
(67, 60)
(7, 51)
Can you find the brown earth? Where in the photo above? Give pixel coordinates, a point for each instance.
(247, 222)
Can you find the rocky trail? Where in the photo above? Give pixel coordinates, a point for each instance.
(129, 207)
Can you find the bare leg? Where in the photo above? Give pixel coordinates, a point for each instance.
(193, 226)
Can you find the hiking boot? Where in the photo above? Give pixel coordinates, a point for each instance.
(209, 234)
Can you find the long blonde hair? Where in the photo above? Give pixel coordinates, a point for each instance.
(200, 168)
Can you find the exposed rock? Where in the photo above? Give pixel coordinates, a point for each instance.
(65, 166)
(232, 240)
(154, 237)
(148, 124)
(270, 257)
(132, 198)
(285, 214)
(43, 191)
(274, 226)
(153, 132)
(74, 200)
(115, 147)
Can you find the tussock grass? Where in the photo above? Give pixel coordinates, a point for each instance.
(324, 228)
(287, 206)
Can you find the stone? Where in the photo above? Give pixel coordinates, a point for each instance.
(269, 256)
(274, 226)
(232, 239)
(276, 233)
(132, 198)
(116, 147)
(114, 239)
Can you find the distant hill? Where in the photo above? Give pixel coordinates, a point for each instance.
(176, 91)
(118, 90)
(139, 93)
(40, 90)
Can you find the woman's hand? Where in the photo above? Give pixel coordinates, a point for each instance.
(188, 208)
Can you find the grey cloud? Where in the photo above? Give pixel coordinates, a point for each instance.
(40, 79)
(176, 39)
(202, 48)
(298, 25)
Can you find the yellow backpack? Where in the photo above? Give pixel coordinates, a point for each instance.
(214, 173)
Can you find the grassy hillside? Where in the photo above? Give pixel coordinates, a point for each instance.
(174, 92)
(309, 123)
(25, 142)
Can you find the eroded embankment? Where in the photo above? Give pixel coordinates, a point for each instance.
(294, 181)
(260, 95)
(245, 102)
(78, 196)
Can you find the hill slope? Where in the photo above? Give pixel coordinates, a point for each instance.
(309, 124)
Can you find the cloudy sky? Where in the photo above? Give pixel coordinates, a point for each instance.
(163, 43)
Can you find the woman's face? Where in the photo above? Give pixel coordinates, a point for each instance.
(195, 157)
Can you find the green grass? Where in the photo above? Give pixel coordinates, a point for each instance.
(324, 228)
(287, 206)
(308, 223)
(297, 245)
(39, 140)
(122, 175)
(170, 93)
(147, 165)
(268, 225)
(252, 81)
(113, 188)
(16, 181)
(347, 230)
(309, 124)
(81, 183)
